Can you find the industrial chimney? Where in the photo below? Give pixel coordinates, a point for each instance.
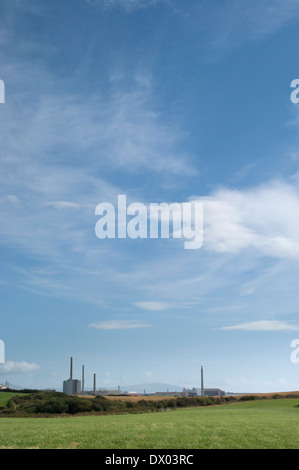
(71, 369)
(82, 379)
(94, 384)
(202, 385)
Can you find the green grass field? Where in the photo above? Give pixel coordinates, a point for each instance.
(267, 424)
(6, 396)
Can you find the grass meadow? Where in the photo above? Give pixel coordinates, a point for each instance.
(261, 424)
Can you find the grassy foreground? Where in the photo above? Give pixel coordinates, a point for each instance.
(250, 425)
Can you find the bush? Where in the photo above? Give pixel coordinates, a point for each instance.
(49, 402)
(229, 398)
(80, 405)
(54, 406)
(248, 397)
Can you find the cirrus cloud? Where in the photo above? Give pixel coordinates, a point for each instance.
(117, 325)
(263, 325)
(152, 305)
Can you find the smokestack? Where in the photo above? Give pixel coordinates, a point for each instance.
(94, 384)
(71, 369)
(82, 379)
(202, 386)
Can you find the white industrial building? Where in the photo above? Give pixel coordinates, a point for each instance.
(72, 386)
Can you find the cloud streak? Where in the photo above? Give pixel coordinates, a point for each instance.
(128, 5)
(263, 325)
(117, 325)
(152, 306)
(14, 368)
(238, 22)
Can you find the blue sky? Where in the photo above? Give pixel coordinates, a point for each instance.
(163, 101)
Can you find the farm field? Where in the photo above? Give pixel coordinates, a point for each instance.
(261, 424)
(135, 398)
(161, 397)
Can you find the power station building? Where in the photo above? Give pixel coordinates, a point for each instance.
(204, 392)
(207, 392)
(72, 386)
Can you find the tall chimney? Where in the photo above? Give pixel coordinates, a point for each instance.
(94, 384)
(71, 369)
(82, 379)
(202, 386)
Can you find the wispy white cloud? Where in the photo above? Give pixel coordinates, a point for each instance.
(118, 325)
(263, 325)
(152, 305)
(14, 368)
(127, 5)
(262, 218)
(65, 205)
(235, 23)
(10, 199)
(139, 136)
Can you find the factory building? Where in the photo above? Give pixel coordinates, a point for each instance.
(104, 392)
(204, 392)
(207, 392)
(71, 386)
(214, 392)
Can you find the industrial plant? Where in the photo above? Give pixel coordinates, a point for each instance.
(77, 387)
(72, 386)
